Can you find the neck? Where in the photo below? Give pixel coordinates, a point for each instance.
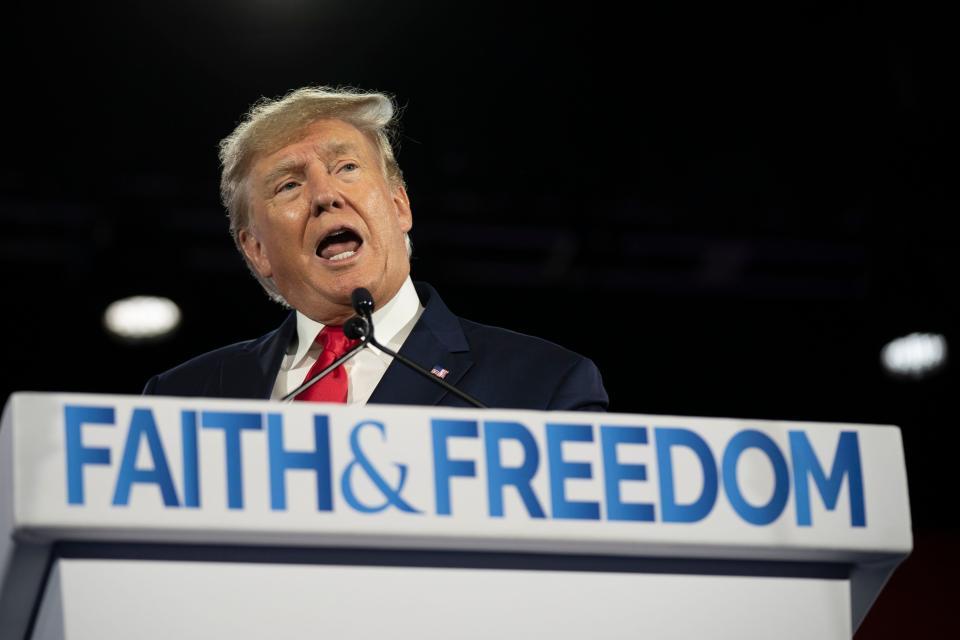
(337, 319)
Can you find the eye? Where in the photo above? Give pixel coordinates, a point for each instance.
(289, 185)
(349, 166)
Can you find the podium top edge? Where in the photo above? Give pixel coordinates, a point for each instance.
(195, 400)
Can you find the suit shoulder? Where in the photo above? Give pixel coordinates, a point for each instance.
(499, 339)
(202, 374)
(528, 372)
(210, 359)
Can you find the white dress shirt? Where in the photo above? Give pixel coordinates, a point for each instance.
(392, 323)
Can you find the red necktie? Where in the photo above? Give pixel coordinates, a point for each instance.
(333, 387)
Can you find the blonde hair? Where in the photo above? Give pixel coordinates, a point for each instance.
(271, 124)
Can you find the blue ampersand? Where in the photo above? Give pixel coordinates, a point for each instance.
(392, 495)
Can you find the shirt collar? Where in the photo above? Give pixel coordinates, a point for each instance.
(388, 320)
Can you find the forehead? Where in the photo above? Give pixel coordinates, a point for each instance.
(324, 137)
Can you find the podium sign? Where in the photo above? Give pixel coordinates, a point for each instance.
(624, 490)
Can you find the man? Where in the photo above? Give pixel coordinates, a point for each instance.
(318, 207)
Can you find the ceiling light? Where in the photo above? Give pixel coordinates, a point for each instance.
(916, 355)
(142, 318)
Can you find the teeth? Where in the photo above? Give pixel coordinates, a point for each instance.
(342, 256)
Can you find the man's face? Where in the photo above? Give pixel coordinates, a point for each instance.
(325, 220)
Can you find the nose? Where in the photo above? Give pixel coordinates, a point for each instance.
(326, 196)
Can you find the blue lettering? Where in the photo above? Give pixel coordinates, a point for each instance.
(391, 495)
(77, 454)
(781, 484)
(560, 470)
(143, 426)
(846, 462)
(232, 424)
(191, 465)
(499, 476)
(317, 460)
(697, 510)
(614, 472)
(443, 467)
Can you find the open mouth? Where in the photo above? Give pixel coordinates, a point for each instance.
(339, 244)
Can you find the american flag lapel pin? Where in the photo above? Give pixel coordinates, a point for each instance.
(439, 371)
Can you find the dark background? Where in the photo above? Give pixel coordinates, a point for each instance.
(730, 210)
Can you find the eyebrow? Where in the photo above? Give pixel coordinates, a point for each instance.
(337, 148)
(287, 165)
(295, 164)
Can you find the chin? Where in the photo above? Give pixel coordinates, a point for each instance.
(344, 286)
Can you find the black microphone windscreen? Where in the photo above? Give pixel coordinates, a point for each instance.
(355, 328)
(362, 301)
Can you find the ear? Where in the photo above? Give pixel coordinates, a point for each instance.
(402, 202)
(255, 251)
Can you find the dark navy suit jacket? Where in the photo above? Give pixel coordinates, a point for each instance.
(498, 367)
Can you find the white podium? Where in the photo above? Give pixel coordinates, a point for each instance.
(139, 517)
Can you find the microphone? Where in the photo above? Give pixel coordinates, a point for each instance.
(356, 328)
(362, 303)
(363, 306)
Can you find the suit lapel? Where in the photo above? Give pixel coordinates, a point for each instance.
(253, 371)
(437, 340)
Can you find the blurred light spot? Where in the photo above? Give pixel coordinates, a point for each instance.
(142, 318)
(916, 355)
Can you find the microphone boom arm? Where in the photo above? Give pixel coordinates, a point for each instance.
(443, 383)
(361, 326)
